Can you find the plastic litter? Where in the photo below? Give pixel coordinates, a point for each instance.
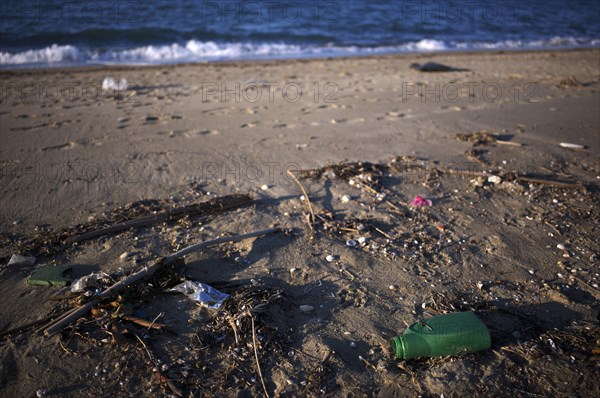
(419, 201)
(110, 84)
(571, 146)
(85, 282)
(456, 333)
(206, 295)
(50, 275)
(16, 259)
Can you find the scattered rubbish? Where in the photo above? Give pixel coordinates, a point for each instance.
(494, 179)
(571, 146)
(561, 246)
(419, 201)
(17, 259)
(83, 283)
(393, 287)
(436, 67)
(362, 240)
(330, 258)
(50, 275)
(345, 199)
(74, 314)
(444, 335)
(145, 323)
(213, 206)
(264, 187)
(351, 243)
(206, 295)
(480, 285)
(110, 84)
(352, 344)
(483, 137)
(307, 308)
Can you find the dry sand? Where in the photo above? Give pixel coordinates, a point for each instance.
(70, 154)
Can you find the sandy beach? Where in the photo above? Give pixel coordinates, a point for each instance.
(511, 231)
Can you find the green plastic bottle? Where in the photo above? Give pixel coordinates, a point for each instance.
(450, 334)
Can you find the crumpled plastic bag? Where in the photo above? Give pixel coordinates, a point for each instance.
(206, 295)
(84, 282)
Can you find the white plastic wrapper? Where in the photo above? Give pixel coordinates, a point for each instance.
(206, 295)
(83, 283)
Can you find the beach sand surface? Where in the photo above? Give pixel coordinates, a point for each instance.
(74, 157)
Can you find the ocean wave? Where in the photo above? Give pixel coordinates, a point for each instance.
(198, 51)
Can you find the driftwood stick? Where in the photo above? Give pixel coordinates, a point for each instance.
(145, 273)
(312, 213)
(213, 206)
(560, 184)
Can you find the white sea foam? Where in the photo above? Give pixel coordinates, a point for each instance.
(195, 51)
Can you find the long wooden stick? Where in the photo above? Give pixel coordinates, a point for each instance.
(262, 381)
(145, 273)
(215, 205)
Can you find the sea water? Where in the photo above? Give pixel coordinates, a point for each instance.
(71, 32)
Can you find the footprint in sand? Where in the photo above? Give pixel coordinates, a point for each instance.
(328, 106)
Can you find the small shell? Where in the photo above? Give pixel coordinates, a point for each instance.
(561, 246)
(330, 258)
(345, 199)
(480, 285)
(264, 187)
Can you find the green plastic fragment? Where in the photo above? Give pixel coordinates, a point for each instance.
(50, 275)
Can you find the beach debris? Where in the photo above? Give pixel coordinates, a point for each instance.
(310, 208)
(362, 240)
(456, 333)
(74, 314)
(436, 67)
(483, 137)
(42, 392)
(111, 84)
(571, 146)
(345, 199)
(494, 179)
(205, 295)
(560, 246)
(264, 187)
(419, 201)
(330, 258)
(213, 206)
(85, 282)
(306, 309)
(145, 323)
(50, 275)
(351, 243)
(17, 259)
